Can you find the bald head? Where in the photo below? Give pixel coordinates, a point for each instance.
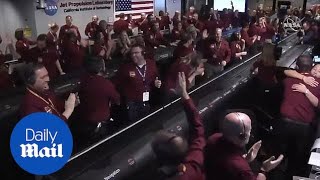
(235, 124)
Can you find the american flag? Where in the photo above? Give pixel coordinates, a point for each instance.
(134, 7)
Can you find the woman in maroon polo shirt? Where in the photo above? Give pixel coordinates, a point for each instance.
(265, 68)
(124, 44)
(189, 65)
(23, 45)
(52, 37)
(177, 31)
(238, 46)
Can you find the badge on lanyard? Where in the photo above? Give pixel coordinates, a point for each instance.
(48, 109)
(24, 44)
(212, 46)
(132, 74)
(146, 96)
(151, 36)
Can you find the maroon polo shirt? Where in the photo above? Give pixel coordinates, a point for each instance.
(195, 159)
(64, 29)
(246, 37)
(130, 82)
(253, 30)
(52, 40)
(176, 34)
(91, 29)
(145, 27)
(211, 26)
(49, 58)
(96, 94)
(31, 103)
(73, 55)
(235, 48)
(165, 22)
(120, 25)
(266, 74)
(182, 51)
(295, 105)
(225, 161)
(270, 32)
(222, 52)
(154, 39)
(178, 66)
(22, 48)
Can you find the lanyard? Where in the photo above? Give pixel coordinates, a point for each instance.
(54, 37)
(49, 103)
(144, 73)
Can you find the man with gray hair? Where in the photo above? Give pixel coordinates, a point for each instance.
(218, 53)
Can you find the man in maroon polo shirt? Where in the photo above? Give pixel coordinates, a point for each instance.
(244, 34)
(39, 98)
(96, 95)
(120, 25)
(68, 27)
(135, 81)
(92, 27)
(154, 38)
(48, 57)
(225, 157)
(180, 160)
(218, 53)
(298, 114)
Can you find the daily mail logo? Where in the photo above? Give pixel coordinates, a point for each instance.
(41, 143)
(32, 150)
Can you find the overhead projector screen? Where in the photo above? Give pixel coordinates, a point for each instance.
(239, 5)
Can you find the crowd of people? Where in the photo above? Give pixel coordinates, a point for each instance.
(200, 49)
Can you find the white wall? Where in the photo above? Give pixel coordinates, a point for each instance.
(173, 6)
(15, 14)
(159, 5)
(80, 18)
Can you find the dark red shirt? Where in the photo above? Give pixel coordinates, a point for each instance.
(32, 103)
(130, 82)
(235, 47)
(253, 30)
(63, 31)
(211, 26)
(165, 22)
(154, 39)
(92, 29)
(225, 161)
(120, 25)
(176, 34)
(96, 95)
(247, 38)
(73, 55)
(22, 48)
(194, 160)
(296, 105)
(173, 72)
(49, 58)
(222, 52)
(182, 51)
(266, 74)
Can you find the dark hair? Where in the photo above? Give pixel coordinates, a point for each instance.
(18, 34)
(42, 37)
(245, 25)
(94, 65)
(68, 16)
(139, 46)
(185, 37)
(161, 13)
(29, 73)
(234, 36)
(304, 62)
(121, 15)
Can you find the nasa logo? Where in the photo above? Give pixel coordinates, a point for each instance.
(41, 143)
(51, 8)
(292, 24)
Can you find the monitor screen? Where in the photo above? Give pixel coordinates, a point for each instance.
(239, 5)
(316, 59)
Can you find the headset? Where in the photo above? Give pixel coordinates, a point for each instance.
(242, 135)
